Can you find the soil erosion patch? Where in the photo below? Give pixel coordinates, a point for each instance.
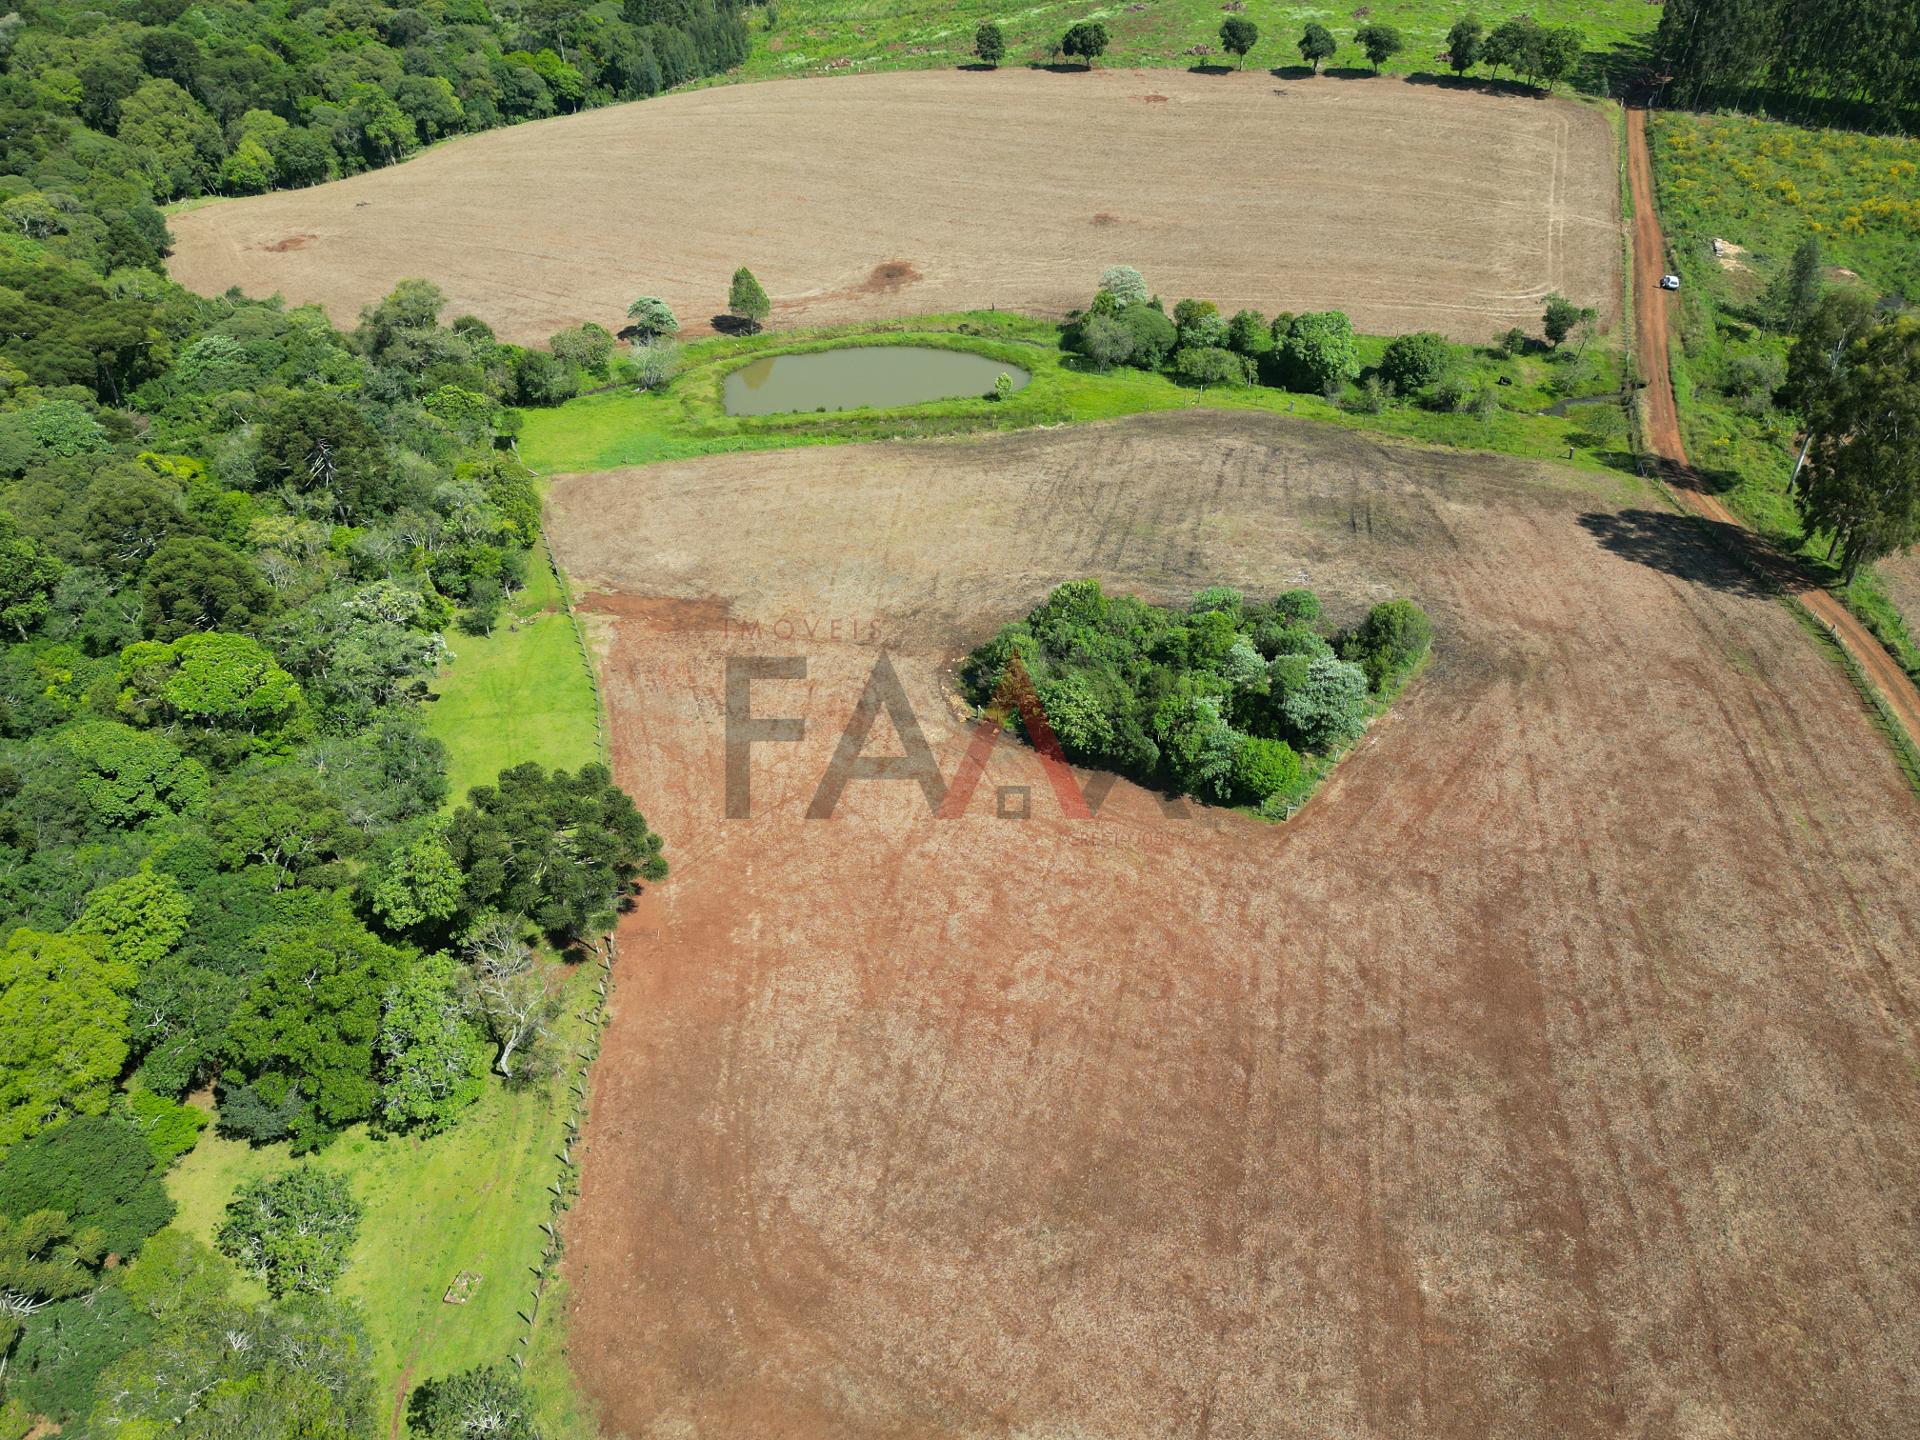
(1552, 1074)
(1409, 206)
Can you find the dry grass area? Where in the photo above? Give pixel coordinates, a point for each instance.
(1554, 1073)
(1409, 206)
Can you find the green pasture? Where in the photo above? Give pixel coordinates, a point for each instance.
(832, 37)
(470, 1199)
(623, 426)
(1764, 186)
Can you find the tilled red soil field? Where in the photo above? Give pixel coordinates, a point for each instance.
(1552, 1074)
(867, 197)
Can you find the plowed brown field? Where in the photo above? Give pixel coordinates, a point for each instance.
(1553, 1074)
(1409, 206)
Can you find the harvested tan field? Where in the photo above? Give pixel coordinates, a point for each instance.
(1409, 206)
(1553, 1074)
(1902, 574)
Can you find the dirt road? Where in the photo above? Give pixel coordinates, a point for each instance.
(868, 197)
(1650, 306)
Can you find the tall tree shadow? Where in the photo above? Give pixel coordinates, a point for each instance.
(1688, 547)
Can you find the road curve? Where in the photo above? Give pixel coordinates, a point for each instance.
(1663, 439)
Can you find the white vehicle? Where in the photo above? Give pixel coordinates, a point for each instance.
(1669, 282)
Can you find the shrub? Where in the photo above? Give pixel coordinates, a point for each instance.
(1087, 39)
(294, 1230)
(1153, 335)
(1394, 635)
(1318, 353)
(1247, 334)
(1263, 767)
(1326, 706)
(1106, 341)
(1199, 325)
(1411, 361)
(1209, 365)
(655, 363)
(1559, 318)
(1298, 607)
(1512, 343)
(1124, 284)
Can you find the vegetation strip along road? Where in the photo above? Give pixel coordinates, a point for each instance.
(1663, 439)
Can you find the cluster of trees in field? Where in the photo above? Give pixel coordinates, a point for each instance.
(1313, 353)
(1724, 50)
(1538, 54)
(1218, 700)
(241, 96)
(232, 541)
(1853, 377)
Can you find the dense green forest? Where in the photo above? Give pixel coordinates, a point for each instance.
(1793, 51)
(102, 106)
(232, 541)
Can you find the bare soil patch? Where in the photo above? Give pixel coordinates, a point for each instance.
(1554, 1073)
(1409, 206)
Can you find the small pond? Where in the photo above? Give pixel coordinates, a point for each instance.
(860, 376)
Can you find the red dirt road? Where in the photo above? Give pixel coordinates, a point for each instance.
(1555, 1074)
(1663, 436)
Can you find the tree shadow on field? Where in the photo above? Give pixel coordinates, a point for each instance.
(1205, 69)
(1688, 547)
(1477, 84)
(977, 67)
(733, 325)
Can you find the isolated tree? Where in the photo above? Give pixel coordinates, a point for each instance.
(512, 992)
(294, 1230)
(652, 318)
(564, 850)
(1087, 39)
(1411, 361)
(1861, 483)
(1463, 43)
(746, 300)
(1559, 318)
(1556, 55)
(989, 45)
(1319, 352)
(486, 1403)
(1796, 289)
(1238, 35)
(1316, 44)
(1381, 42)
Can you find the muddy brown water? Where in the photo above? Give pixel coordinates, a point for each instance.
(862, 376)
